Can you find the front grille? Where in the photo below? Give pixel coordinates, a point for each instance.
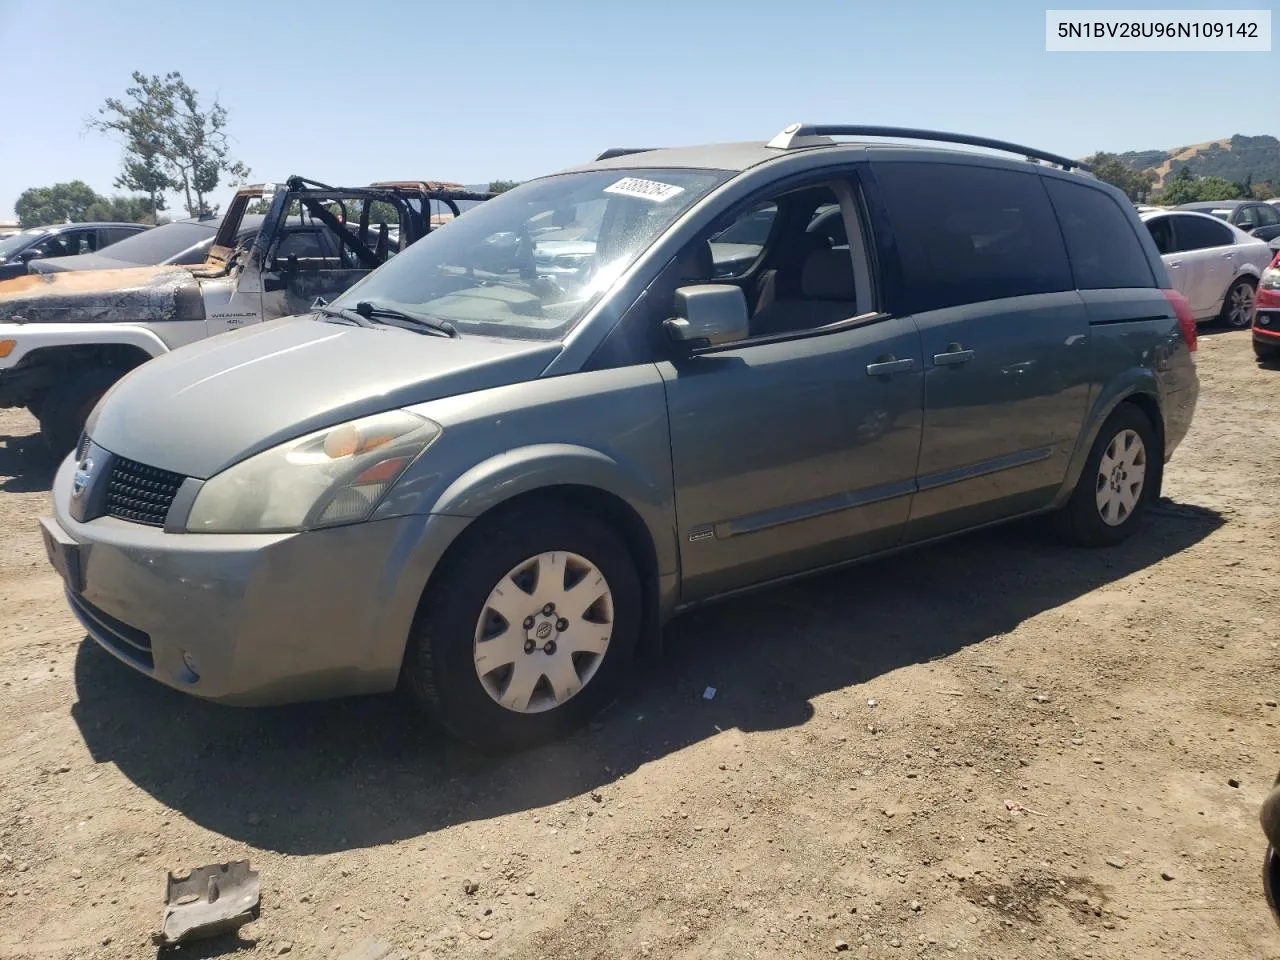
(129, 642)
(140, 493)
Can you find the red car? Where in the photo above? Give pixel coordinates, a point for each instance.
(1266, 314)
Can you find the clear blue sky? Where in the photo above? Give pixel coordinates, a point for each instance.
(476, 91)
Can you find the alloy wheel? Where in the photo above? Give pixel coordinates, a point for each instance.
(1240, 310)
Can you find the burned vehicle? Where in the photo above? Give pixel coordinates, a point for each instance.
(66, 338)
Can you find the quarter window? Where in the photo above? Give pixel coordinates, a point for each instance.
(1104, 248)
(969, 234)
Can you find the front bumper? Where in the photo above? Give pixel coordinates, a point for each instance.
(1266, 327)
(251, 619)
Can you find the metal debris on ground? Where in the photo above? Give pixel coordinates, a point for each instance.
(1015, 808)
(209, 901)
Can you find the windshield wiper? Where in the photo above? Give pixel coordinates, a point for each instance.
(409, 321)
(349, 316)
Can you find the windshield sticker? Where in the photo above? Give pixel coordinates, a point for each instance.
(650, 190)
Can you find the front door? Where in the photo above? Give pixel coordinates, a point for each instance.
(1005, 339)
(795, 447)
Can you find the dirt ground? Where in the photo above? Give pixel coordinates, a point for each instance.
(846, 789)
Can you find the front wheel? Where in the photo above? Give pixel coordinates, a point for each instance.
(1237, 305)
(1116, 483)
(529, 629)
(65, 408)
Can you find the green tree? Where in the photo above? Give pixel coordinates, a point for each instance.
(502, 186)
(121, 209)
(141, 123)
(1216, 188)
(60, 203)
(171, 140)
(1184, 187)
(1109, 168)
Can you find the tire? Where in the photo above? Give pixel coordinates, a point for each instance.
(1266, 353)
(1237, 305)
(440, 669)
(1085, 520)
(68, 404)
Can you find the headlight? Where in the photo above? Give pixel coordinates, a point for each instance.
(333, 476)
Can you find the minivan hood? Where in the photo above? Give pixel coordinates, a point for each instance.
(205, 406)
(133, 295)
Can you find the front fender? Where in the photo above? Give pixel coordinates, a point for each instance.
(29, 337)
(540, 466)
(1133, 382)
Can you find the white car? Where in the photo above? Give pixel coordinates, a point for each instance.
(1213, 264)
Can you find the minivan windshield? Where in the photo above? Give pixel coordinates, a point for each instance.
(160, 243)
(530, 263)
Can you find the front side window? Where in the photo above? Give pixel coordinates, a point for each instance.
(530, 263)
(1104, 248)
(969, 234)
(1197, 233)
(1246, 220)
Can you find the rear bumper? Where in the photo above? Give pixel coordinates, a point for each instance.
(1179, 411)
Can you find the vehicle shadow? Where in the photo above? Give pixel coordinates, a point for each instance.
(26, 465)
(319, 778)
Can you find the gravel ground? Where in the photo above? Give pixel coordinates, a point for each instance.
(846, 790)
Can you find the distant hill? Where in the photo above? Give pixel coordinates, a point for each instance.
(1236, 159)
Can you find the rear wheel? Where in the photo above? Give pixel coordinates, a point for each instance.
(1116, 484)
(529, 629)
(1237, 306)
(65, 408)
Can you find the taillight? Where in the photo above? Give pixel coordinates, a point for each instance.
(1186, 318)
(1270, 299)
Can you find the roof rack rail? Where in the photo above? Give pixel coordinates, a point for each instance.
(815, 134)
(622, 152)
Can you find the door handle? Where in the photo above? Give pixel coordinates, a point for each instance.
(1228, 256)
(889, 365)
(954, 356)
(1175, 263)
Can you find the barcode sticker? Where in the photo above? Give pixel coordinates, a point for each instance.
(651, 190)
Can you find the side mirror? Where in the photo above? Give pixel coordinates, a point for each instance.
(713, 313)
(31, 253)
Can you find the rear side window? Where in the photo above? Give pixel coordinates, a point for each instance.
(968, 234)
(1197, 233)
(1103, 245)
